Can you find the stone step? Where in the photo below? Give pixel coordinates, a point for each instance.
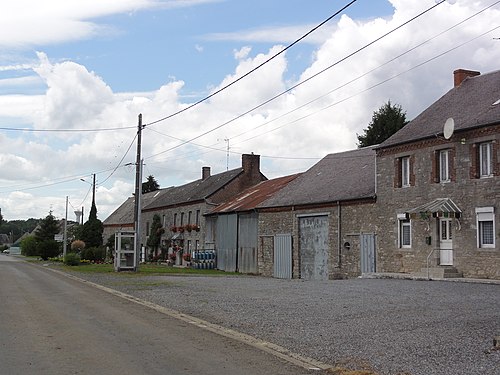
(445, 272)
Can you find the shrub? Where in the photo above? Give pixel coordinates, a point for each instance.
(29, 246)
(77, 246)
(94, 254)
(49, 249)
(72, 259)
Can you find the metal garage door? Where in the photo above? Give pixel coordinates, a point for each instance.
(225, 240)
(313, 243)
(247, 243)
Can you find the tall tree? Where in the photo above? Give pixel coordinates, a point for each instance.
(92, 230)
(385, 122)
(155, 235)
(150, 185)
(47, 229)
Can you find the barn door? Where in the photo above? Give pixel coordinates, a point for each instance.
(313, 244)
(368, 258)
(282, 256)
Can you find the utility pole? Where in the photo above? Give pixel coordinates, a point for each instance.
(138, 192)
(65, 237)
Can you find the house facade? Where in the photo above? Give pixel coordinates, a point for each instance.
(438, 185)
(323, 224)
(182, 208)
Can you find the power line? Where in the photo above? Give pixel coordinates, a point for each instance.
(254, 69)
(297, 84)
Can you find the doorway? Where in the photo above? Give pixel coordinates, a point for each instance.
(445, 242)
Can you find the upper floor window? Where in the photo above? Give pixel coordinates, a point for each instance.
(444, 166)
(405, 171)
(197, 217)
(485, 159)
(175, 219)
(190, 213)
(182, 219)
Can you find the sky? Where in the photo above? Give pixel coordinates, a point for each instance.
(76, 74)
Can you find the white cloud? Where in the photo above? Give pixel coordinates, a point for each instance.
(342, 101)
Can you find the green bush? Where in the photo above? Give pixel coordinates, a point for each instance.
(49, 249)
(72, 259)
(94, 254)
(29, 246)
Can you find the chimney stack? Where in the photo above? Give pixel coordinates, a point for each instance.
(460, 75)
(251, 164)
(205, 173)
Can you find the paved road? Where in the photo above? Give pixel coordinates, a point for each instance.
(50, 324)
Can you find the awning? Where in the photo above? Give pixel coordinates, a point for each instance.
(441, 207)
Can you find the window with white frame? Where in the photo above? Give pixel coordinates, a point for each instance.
(485, 159)
(404, 231)
(405, 171)
(444, 166)
(485, 217)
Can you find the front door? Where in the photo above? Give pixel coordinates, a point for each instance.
(445, 242)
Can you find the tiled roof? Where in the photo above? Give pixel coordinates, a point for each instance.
(471, 104)
(193, 191)
(342, 176)
(125, 213)
(250, 198)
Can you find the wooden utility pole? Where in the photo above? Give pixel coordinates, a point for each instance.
(138, 192)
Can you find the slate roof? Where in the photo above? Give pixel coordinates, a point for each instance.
(193, 191)
(250, 198)
(342, 176)
(125, 213)
(471, 104)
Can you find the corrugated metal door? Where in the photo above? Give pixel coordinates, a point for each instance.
(368, 258)
(247, 243)
(283, 256)
(313, 240)
(226, 242)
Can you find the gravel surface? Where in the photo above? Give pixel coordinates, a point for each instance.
(389, 326)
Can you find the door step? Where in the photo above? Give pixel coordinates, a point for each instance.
(445, 272)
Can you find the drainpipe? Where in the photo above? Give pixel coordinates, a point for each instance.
(339, 234)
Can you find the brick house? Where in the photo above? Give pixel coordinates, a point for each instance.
(322, 224)
(438, 185)
(182, 208)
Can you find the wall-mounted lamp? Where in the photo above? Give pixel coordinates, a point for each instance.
(462, 141)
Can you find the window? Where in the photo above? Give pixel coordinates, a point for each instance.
(485, 159)
(405, 171)
(182, 219)
(197, 217)
(485, 217)
(404, 231)
(190, 213)
(175, 219)
(444, 166)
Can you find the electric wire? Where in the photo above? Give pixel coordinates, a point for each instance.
(301, 82)
(254, 69)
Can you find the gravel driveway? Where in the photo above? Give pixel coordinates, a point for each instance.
(389, 326)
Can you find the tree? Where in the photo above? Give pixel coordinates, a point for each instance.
(47, 228)
(92, 230)
(150, 185)
(155, 235)
(385, 122)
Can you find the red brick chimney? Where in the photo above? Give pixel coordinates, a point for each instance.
(251, 164)
(205, 173)
(460, 74)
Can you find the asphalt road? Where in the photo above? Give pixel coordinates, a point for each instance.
(50, 324)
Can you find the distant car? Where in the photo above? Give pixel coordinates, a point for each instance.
(6, 251)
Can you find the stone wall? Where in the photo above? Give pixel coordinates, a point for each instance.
(465, 190)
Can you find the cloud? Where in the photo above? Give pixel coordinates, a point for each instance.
(304, 124)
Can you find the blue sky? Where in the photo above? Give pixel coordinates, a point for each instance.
(73, 65)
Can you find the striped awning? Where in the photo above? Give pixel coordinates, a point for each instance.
(441, 207)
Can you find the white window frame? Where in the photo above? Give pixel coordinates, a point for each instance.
(405, 171)
(485, 159)
(403, 222)
(444, 166)
(483, 215)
